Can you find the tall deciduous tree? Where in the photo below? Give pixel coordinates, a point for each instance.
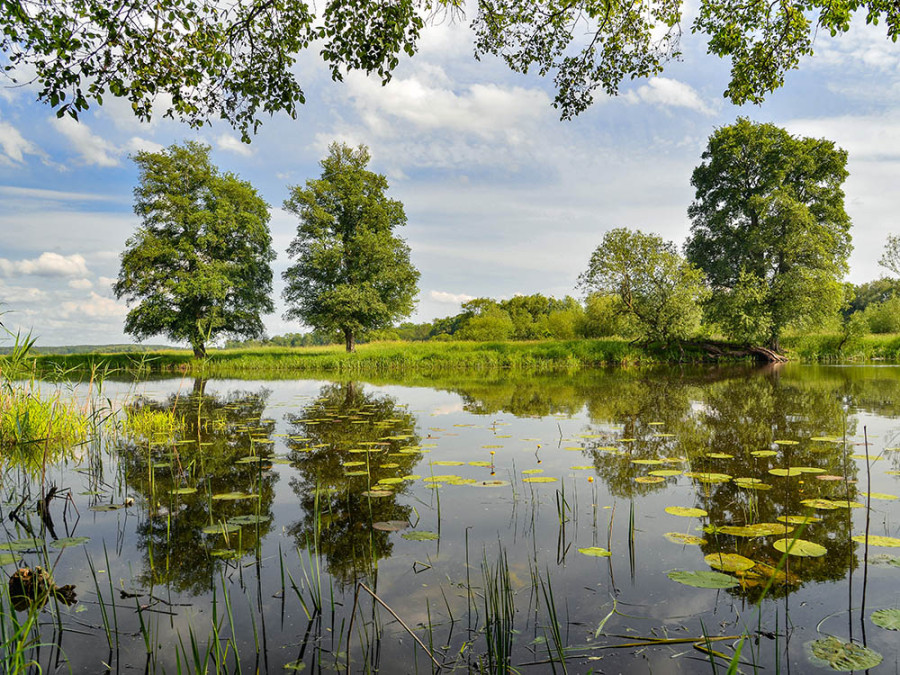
(233, 60)
(351, 274)
(199, 265)
(890, 259)
(654, 285)
(769, 229)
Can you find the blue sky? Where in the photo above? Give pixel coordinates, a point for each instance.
(501, 196)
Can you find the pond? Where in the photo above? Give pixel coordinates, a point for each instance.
(639, 520)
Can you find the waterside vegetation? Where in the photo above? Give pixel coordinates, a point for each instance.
(459, 355)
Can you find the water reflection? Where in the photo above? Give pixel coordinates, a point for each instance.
(196, 478)
(352, 450)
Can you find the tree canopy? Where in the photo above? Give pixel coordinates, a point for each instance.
(652, 284)
(199, 265)
(351, 274)
(769, 229)
(234, 60)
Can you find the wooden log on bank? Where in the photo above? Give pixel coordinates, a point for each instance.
(730, 351)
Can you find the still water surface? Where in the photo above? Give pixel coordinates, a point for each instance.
(479, 509)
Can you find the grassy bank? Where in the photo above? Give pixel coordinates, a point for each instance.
(437, 356)
(376, 357)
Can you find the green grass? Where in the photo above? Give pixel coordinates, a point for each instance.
(385, 357)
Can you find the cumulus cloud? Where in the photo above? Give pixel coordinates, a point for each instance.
(96, 307)
(138, 144)
(230, 143)
(93, 149)
(668, 93)
(47, 265)
(450, 298)
(11, 295)
(81, 284)
(484, 110)
(14, 146)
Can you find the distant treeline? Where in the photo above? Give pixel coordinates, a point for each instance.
(94, 349)
(539, 317)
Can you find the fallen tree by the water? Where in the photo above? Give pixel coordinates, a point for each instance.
(718, 350)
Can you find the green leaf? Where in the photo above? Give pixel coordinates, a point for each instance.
(844, 656)
(799, 547)
(889, 619)
(66, 542)
(595, 551)
(703, 579)
(420, 535)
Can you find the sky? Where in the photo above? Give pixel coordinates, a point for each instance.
(501, 196)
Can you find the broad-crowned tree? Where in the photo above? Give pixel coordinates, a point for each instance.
(769, 229)
(653, 285)
(352, 273)
(199, 264)
(234, 60)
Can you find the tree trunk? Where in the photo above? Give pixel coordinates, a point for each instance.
(349, 340)
(199, 349)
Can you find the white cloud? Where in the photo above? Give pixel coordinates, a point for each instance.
(16, 294)
(484, 110)
(138, 144)
(47, 265)
(668, 93)
(56, 195)
(450, 298)
(15, 146)
(93, 149)
(81, 284)
(96, 307)
(230, 143)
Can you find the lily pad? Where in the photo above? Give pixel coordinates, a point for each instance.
(66, 542)
(666, 473)
(875, 540)
(792, 471)
(376, 493)
(251, 519)
(232, 496)
(799, 547)
(420, 535)
(649, 479)
(595, 551)
(879, 495)
(708, 477)
(539, 479)
(703, 579)
(23, 544)
(390, 525)
(728, 562)
(681, 538)
(183, 491)
(844, 656)
(7, 558)
(221, 528)
(685, 511)
(889, 619)
(764, 453)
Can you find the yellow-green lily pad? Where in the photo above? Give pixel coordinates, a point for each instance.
(728, 562)
(889, 619)
(844, 656)
(703, 579)
(876, 540)
(686, 511)
(595, 551)
(799, 547)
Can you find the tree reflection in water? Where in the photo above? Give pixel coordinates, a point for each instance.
(378, 440)
(215, 435)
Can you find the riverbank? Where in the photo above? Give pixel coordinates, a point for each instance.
(393, 356)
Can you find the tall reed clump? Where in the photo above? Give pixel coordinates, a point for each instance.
(148, 423)
(499, 612)
(32, 424)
